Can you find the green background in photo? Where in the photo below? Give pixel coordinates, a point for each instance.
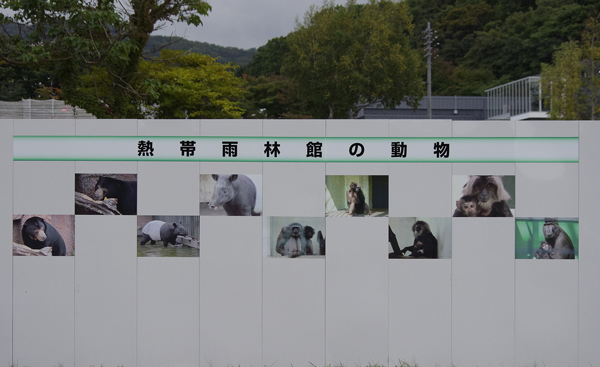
(528, 235)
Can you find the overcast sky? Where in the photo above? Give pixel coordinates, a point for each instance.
(245, 23)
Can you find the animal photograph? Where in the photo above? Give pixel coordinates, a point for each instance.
(483, 196)
(231, 194)
(546, 238)
(294, 237)
(105, 194)
(356, 196)
(168, 236)
(420, 238)
(43, 235)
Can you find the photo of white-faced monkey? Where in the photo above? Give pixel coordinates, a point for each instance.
(485, 196)
(292, 237)
(420, 238)
(467, 206)
(545, 238)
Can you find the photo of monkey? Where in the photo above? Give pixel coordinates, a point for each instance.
(356, 196)
(546, 238)
(294, 237)
(420, 238)
(483, 196)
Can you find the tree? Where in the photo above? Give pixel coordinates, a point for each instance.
(88, 36)
(591, 65)
(272, 97)
(343, 58)
(267, 60)
(561, 83)
(516, 48)
(193, 85)
(178, 85)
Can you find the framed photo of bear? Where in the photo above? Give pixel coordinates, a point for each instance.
(43, 235)
(105, 194)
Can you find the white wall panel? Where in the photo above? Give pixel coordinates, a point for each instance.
(356, 273)
(294, 311)
(6, 260)
(483, 291)
(43, 311)
(168, 188)
(547, 190)
(420, 189)
(589, 251)
(546, 305)
(231, 291)
(168, 312)
(44, 188)
(420, 312)
(105, 290)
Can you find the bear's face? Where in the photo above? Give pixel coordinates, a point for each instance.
(35, 229)
(106, 187)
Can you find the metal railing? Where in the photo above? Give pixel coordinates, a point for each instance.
(36, 109)
(521, 99)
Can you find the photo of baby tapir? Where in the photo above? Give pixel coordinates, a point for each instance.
(179, 236)
(114, 194)
(40, 238)
(231, 195)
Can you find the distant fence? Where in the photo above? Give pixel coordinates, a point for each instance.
(35, 109)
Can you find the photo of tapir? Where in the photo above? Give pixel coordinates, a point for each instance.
(168, 235)
(230, 195)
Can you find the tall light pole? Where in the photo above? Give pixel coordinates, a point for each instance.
(428, 41)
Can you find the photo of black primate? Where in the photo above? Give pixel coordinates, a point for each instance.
(124, 191)
(309, 232)
(356, 200)
(393, 240)
(558, 244)
(37, 234)
(544, 251)
(292, 241)
(321, 241)
(491, 195)
(467, 206)
(425, 243)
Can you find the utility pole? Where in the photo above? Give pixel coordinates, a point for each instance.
(428, 43)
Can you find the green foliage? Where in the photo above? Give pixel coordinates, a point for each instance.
(343, 58)
(21, 82)
(457, 26)
(180, 85)
(509, 38)
(268, 58)
(77, 37)
(561, 83)
(273, 97)
(570, 84)
(591, 67)
(518, 46)
(224, 55)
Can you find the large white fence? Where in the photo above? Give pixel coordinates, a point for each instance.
(235, 305)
